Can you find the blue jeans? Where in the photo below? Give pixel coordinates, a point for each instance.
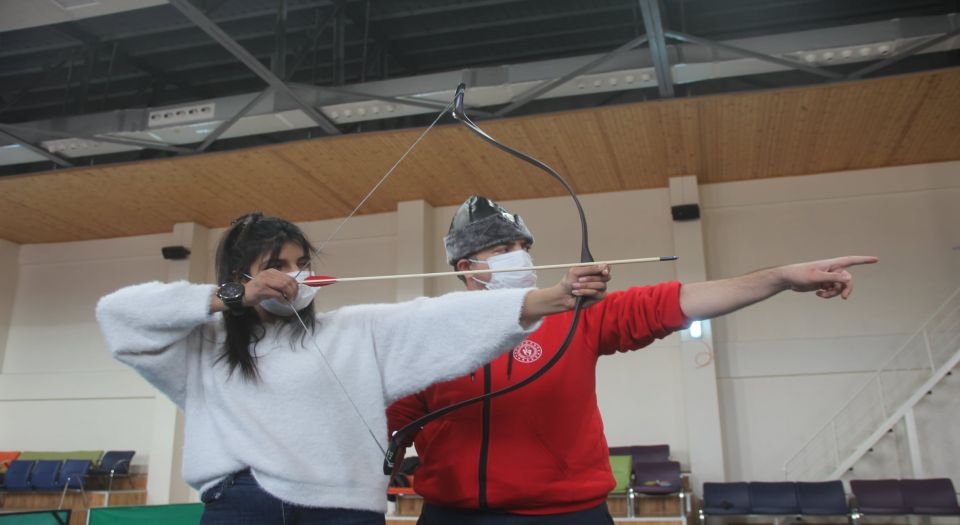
(239, 500)
(433, 515)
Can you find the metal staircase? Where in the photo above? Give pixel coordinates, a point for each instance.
(885, 399)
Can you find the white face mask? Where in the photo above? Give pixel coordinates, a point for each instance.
(514, 259)
(305, 295)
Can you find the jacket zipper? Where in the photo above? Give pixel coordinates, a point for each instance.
(485, 441)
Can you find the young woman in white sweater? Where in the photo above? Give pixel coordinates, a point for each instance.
(284, 412)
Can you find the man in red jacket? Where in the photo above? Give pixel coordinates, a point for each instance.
(538, 455)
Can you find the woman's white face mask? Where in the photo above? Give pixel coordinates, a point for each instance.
(503, 280)
(305, 295)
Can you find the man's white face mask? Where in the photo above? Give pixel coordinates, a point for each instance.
(305, 295)
(503, 280)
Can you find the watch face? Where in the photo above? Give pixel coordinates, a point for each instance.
(231, 291)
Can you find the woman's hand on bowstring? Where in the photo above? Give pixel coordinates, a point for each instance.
(269, 284)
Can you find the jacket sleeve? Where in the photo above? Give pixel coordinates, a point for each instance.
(428, 340)
(153, 326)
(404, 411)
(634, 318)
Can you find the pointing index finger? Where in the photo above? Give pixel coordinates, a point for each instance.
(853, 260)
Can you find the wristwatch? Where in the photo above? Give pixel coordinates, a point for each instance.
(232, 295)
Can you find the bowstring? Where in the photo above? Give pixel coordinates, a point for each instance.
(336, 231)
(343, 388)
(382, 180)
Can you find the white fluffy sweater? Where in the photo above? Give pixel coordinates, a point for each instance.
(295, 428)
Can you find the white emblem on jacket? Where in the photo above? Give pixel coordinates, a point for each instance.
(527, 351)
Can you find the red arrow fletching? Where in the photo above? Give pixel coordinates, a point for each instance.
(319, 280)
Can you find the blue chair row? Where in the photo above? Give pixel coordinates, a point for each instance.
(926, 497)
(784, 498)
(929, 497)
(47, 475)
(114, 464)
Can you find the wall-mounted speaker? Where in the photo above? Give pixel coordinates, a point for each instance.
(175, 253)
(685, 212)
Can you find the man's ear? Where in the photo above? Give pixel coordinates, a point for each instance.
(463, 265)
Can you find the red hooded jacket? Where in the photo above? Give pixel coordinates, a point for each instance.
(540, 449)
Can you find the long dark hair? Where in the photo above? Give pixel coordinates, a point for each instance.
(248, 238)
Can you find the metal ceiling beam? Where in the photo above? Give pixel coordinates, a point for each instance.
(231, 45)
(227, 124)
(48, 70)
(301, 54)
(179, 48)
(776, 46)
(310, 42)
(792, 64)
(176, 47)
(198, 67)
(840, 13)
(73, 31)
(215, 84)
(379, 34)
(653, 24)
(908, 52)
(57, 159)
(106, 87)
(524, 21)
(427, 104)
(209, 7)
(548, 85)
(294, 10)
(278, 64)
(87, 72)
(524, 38)
(124, 141)
(338, 57)
(445, 7)
(518, 57)
(702, 63)
(366, 44)
(269, 12)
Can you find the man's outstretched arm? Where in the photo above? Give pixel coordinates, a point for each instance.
(828, 277)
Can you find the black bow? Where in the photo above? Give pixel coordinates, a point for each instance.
(394, 453)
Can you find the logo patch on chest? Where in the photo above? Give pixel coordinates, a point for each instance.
(527, 351)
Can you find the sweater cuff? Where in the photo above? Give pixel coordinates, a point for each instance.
(207, 291)
(534, 326)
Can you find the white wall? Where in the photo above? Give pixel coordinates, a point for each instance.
(58, 383)
(9, 274)
(781, 365)
(784, 366)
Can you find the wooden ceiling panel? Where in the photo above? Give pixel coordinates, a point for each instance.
(933, 130)
(884, 122)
